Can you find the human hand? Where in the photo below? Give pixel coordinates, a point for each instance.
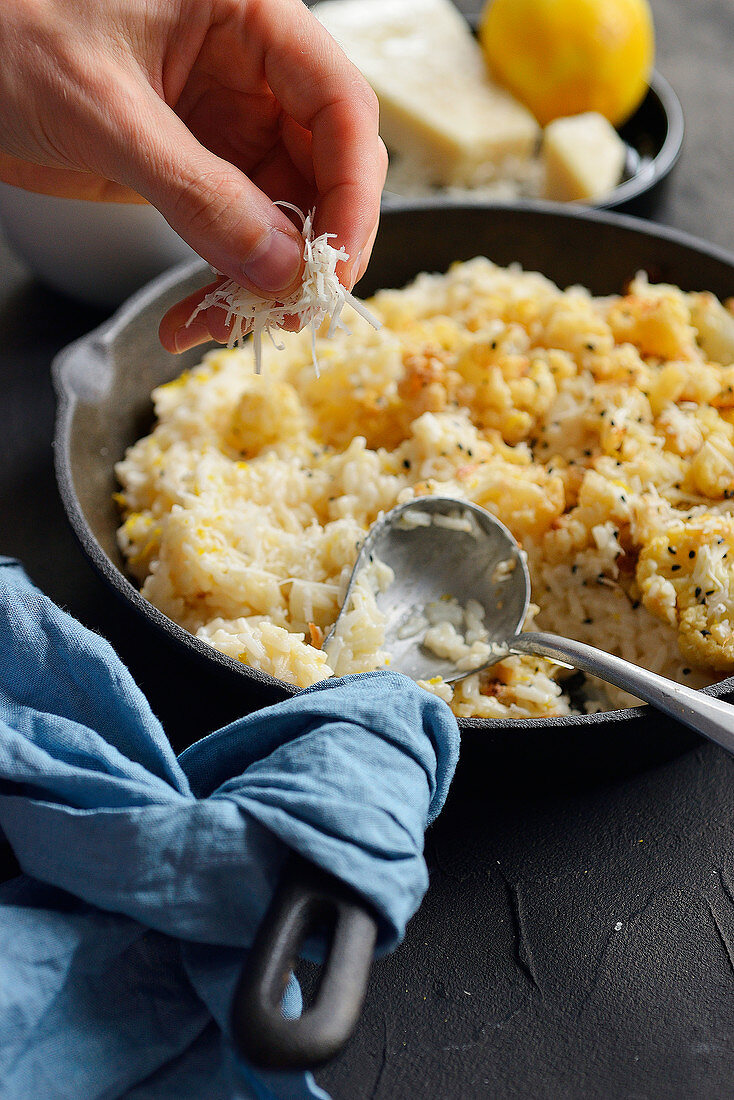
(209, 109)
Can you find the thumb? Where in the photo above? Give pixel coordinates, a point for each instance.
(213, 206)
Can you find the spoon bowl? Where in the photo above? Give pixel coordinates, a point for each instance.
(444, 551)
(440, 550)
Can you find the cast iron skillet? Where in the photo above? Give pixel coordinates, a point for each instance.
(104, 383)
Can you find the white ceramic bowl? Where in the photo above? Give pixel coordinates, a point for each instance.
(98, 252)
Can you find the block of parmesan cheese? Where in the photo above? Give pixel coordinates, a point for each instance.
(584, 157)
(439, 109)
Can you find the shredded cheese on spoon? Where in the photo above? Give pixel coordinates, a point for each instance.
(320, 295)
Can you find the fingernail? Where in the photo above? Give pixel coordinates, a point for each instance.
(275, 262)
(188, 336)
(356, 272)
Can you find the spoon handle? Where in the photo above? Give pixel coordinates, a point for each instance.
(711, 717)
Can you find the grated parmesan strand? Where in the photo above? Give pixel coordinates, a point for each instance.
(319, 296)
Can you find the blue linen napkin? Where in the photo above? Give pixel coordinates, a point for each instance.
(145, 876)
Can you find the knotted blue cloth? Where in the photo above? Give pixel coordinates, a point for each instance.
(145, 876)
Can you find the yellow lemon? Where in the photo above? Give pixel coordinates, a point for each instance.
(563, 57)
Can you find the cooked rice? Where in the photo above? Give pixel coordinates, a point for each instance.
(599, 430)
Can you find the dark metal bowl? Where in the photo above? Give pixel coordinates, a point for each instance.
(654, 139)
(104, 382)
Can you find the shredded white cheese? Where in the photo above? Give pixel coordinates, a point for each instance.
(319, 296)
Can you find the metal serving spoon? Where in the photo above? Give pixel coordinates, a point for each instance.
(433, 559)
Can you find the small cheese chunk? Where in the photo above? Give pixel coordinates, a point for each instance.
(584, 157)
(439, 109)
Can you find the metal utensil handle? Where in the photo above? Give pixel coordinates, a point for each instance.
(307, 901)
(714, 718)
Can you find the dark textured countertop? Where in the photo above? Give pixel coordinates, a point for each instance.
(577, 940)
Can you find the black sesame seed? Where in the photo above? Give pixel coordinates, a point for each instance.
(691, 553)
(588, 621)
(671, 550)
(686, 671)
(674, 568)
(697, 593)
(705, 633)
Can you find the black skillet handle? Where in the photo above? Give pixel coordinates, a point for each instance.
(307, 901)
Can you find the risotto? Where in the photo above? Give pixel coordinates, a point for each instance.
(599, 430)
